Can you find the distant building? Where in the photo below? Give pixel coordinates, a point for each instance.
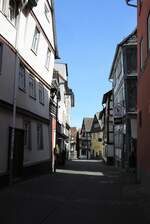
(78, 142)
(85, 138)
(73, 143)
(65, 103)
(124, 76)
(102, 126)
(96, 137)
(108, 131)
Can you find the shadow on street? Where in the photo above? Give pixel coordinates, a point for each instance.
(80, 192)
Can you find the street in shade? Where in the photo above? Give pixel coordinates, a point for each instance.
(84, 191)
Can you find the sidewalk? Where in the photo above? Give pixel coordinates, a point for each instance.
(133, 190)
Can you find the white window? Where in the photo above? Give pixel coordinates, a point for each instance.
(22, 77)
(41, 93)
(32, 87)
(4, 6)
(1, 2)
(35, 41)
(48, 58)
(40, 136)
(27, 135)
(12, 11)
(148, 30)
(47, 12)
(8, 7)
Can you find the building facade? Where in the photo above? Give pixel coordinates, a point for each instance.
(65, 103)
(27, 53)
(85, 138)
(124, 76)
(143, 146)
(73, 143)
(108, 131)
(96, 137)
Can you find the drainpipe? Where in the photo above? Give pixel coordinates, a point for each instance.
(14, 101)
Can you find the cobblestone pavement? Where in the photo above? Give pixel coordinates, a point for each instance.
(82, 192)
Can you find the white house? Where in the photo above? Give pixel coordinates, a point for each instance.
(108, 131)
(27, 53)
(124, 78)
(65, 104)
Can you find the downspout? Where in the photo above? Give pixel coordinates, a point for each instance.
(54, 31)
(14, 101)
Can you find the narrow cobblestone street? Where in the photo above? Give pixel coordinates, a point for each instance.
(83, 192)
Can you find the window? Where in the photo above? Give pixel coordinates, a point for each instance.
(47, 12)
(48, 58)
(27, 135)
(141, 54)
(1, 2)
(22, 77)
(4, 6)
(9, 9)
(41, 93)
(12, 12)
(40, 136)
(131, 58)
(148, 30)
(32, 87)
(35, 41)
(132, 95)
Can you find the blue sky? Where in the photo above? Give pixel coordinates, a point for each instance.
(87, 34)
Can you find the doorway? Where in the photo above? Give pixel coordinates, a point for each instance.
(18, 153)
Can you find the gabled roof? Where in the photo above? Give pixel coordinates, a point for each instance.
(87, 123)
(97, 115)
(117, 50)
(74, 132)
(105, 96)
(101, 114)
(97, 121)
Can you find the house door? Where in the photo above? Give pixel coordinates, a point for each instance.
(18, 152)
